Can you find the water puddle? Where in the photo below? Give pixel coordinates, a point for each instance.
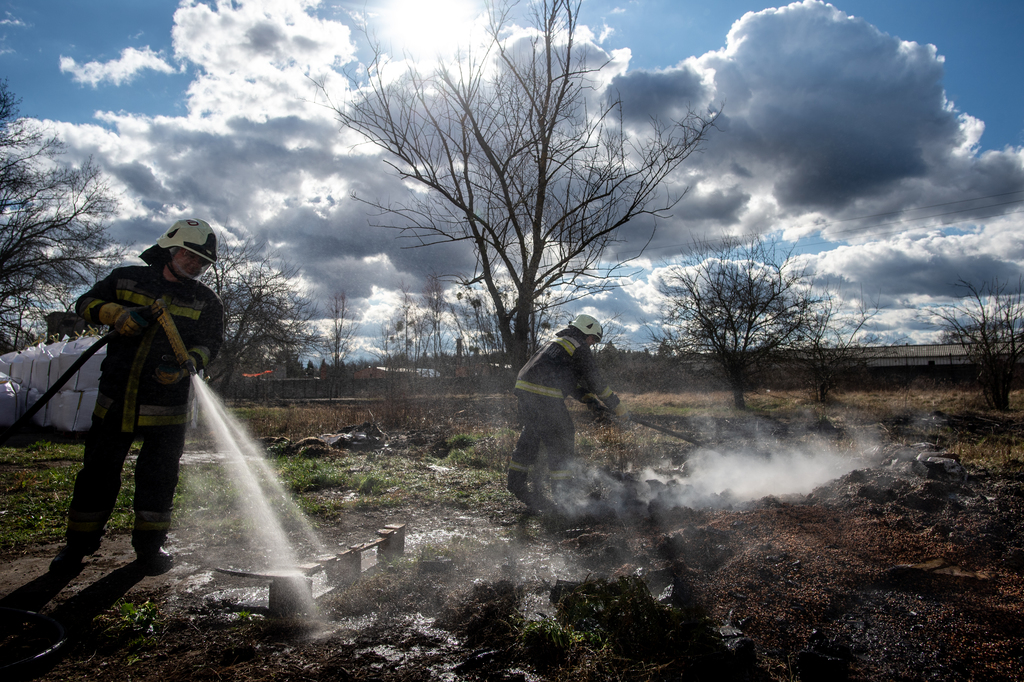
(202, 457)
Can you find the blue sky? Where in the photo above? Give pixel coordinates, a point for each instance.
(981, 42)
(834, 113)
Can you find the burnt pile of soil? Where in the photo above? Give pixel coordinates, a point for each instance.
(887, 573)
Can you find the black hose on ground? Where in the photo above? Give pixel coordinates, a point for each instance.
(689, 438)
(13, 624)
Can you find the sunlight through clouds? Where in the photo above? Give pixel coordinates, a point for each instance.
(426, 30)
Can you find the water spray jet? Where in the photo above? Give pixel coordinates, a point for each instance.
(291, 587)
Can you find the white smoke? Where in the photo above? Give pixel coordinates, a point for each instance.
(714, 479)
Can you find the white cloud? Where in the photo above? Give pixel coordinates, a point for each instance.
(12, 20)
(118, 71)
(256, 59)
(836, 130)
(827, 120)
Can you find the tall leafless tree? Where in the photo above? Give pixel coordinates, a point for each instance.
(988, 322)
(832, 342)
(523, 157)
(267, 317)
(52, 233)
(341, 329)
(476, 321)
(437, 311)
(738, 304)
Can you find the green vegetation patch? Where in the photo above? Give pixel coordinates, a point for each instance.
(479, 451)
(302, 474)
(612, 623)
(35, 494)
(42, 451)
(131, 628)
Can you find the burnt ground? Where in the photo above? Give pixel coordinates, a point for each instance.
(902, 569)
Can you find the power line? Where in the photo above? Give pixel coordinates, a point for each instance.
(887, 233)
(921, 208)
(825, 226)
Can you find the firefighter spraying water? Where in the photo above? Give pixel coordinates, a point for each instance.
(169, 325)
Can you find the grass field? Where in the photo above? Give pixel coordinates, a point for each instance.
(469, 440)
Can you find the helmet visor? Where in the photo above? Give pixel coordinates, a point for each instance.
(190, 264)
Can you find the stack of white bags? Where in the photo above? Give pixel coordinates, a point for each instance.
(26, 375)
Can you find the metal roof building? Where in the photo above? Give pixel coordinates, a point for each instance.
(917, 355)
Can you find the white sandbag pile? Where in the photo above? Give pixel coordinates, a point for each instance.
(26, 376)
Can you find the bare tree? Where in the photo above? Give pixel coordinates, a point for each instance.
(341, 331)
(52, 234)
(738, 304)
(389, 343)
(520, 161)
(476, 322)
(267, 318)
(832, 341)
(410, 327)
(988, 323)
(437, 311)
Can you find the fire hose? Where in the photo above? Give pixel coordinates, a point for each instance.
(42, 638)
(177, 345)
(651, 425)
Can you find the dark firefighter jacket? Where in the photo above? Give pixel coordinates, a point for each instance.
(565, 367)
(128, 372)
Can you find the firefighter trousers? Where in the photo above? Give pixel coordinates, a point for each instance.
(99, 482)
(547, 422)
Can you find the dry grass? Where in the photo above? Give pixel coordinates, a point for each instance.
(679, 404)
(864, 406)
(977, 434)
(437, 413)
(903, 415)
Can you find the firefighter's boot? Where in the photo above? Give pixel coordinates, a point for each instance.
(79, 545)
(155, 562)
(518, 485)
(148, 538)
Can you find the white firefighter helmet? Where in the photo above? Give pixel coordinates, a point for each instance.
(194, 235)
(588, 325)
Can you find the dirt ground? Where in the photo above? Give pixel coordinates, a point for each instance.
(906, 568)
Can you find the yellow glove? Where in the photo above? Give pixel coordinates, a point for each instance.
(109, 312)
(620, 410)
(170, 374)
(125, 321)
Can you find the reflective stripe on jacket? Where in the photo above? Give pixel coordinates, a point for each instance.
(562, 367)
(128, 372)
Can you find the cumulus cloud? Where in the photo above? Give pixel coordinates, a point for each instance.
(822, 111)
(838, 133)
(840, 109)
(257, 58)
(116, 71)
(832, 131)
